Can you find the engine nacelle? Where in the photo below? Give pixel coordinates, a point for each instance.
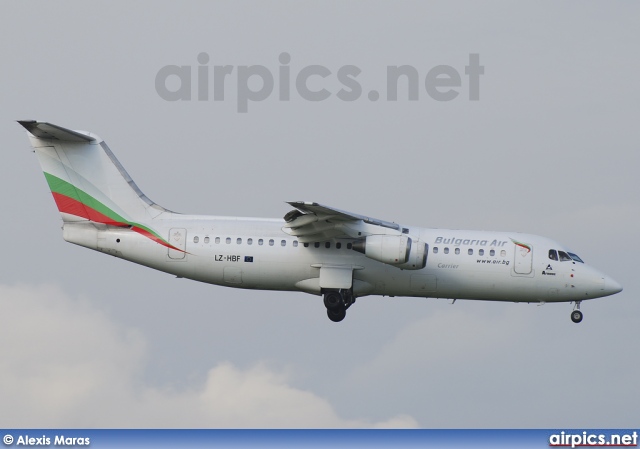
(417, 258)
(397, 250)
(392, 249)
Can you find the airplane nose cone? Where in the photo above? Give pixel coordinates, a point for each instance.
(611, 287)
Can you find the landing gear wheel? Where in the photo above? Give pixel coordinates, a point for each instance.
(576, 316)
(337, 302)
(336, 315)
(333, 301)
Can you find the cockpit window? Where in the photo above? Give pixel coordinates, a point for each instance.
(553, 254)
(564, 256)
(575, 257)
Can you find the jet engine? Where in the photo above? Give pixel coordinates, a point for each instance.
(397, 250)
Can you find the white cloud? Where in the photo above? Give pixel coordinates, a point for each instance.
(66, 364)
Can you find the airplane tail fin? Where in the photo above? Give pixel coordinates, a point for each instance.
(87, 181)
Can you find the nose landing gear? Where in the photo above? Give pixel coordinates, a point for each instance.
(576, 315)
(337, 302)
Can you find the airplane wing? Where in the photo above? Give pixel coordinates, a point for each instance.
(313, 222)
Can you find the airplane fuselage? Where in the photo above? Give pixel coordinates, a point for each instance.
(256, 254)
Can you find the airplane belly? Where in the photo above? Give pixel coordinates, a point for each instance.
(228, 271)
(283, 275)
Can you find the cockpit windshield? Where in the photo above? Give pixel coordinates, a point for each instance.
(564, 257)
(575, 257)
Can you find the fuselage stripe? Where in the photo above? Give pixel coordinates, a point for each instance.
(73, 201)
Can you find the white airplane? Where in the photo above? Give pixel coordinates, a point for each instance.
(315, 249)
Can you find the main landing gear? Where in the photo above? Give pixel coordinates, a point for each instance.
(337, 302)
(576, 315)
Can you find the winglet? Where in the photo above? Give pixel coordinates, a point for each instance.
(44, 130)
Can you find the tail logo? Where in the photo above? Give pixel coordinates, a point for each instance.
(74, 201)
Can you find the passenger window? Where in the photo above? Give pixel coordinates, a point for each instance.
(239, 241)
(295, 243)
(228, 240)
(306, 245)
(217, 239)
(317, 244)
(492, 252)
(206, 240)
(564, 257)
(553, 255)
(196, 239)
(480, 252)
(327, 245)
(283, 243)
(249, 241)
(349, 246)
(338, 245)
(457, 250)
(271, 242)
(446, 250)
(435, 250)
(470, 251)
(260, 242)
(503, 253)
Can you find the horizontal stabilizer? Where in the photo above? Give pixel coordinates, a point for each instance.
(44, 130)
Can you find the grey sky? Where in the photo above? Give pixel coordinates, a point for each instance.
(550, 148)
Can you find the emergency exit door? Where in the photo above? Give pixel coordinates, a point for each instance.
(177, 239)
(523, 258)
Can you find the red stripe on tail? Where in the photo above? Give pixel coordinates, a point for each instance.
(71, 206)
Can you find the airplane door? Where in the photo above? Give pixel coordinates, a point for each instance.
(523, 258)
(177, 238)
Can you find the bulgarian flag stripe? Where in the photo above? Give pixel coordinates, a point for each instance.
(65, 188)
(522, 245)
(71, 206)
(153, 237)
(74, 201)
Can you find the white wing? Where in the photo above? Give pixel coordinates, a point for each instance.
(313, 222)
